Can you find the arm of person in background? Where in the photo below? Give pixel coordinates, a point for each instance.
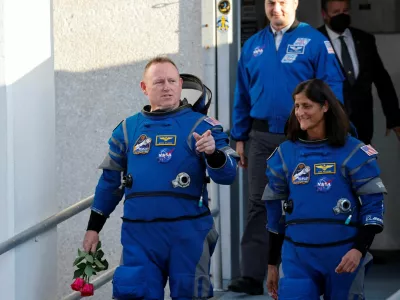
(275, 192)
(241, 119)
(221, 160)
(386, 92)
(327, 67)
(363, 170)
(108, 193)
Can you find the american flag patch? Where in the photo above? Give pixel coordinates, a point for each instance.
(329, 47)
(212, 121)
(369, 150)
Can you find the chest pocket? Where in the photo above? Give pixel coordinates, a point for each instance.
(159, 154)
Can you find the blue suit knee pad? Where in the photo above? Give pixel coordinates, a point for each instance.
(297, 289)
(129, 283)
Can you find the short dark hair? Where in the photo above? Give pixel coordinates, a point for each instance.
(159, 60)
(324, 3)
(337, 123)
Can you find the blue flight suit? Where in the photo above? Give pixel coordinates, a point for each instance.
(330, 192)
(267, 77)
(168, 230)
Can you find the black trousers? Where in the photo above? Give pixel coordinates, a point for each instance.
(254, 244)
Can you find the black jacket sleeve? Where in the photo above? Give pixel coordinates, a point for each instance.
(385, 88)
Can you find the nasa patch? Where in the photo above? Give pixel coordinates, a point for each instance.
(258, 51)
(324, 185)
(165, 155)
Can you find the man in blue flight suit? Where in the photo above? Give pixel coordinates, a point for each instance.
(163, 152)
(272, 63)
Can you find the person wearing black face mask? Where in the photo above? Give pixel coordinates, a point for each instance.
(361, 64)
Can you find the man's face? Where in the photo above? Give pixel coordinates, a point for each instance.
(280, 12)
(334, 8)
(162, 85)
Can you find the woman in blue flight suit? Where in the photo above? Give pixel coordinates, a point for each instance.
(324, 199)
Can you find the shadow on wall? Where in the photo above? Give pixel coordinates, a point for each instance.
(89, 105)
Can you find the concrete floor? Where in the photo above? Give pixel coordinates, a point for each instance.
(383, 281)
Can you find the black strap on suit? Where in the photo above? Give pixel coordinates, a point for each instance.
(347, 62)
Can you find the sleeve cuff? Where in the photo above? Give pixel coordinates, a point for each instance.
(216, 160)
(96, 221)
(275, 247)
(365, 237)
(393, 120)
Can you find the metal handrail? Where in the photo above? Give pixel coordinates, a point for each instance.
(45, 225)
(52, 222)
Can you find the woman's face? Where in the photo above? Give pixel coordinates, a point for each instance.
(309, 114)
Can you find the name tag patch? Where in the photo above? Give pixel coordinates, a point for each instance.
(325, 168)
(165, 140)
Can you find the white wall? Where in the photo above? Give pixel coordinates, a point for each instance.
(382, 17)
(27, 143)
(101, 48)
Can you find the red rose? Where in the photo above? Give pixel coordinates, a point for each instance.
(78, 284)
(87, 290)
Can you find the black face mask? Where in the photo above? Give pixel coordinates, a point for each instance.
(340, 23)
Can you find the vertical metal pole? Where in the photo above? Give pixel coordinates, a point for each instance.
(210, 79)
(240, 171)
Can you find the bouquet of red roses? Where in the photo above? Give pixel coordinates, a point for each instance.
(88, 264)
